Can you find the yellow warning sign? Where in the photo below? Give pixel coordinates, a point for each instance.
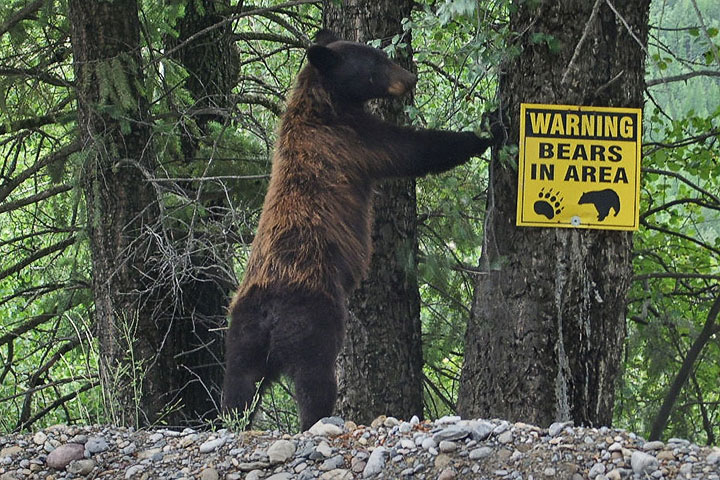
(579, 167)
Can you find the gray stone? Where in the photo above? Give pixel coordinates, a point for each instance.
(480, 430)
(64, 454)
(480, 453)
(250, 466)
(557, 428)
(596, 470)
(323, 449)
(209, 474)
(447, 420)
(322, 429)
(405, 427)
(428, 443)
(212, 445)
(95, 445)
(713, 457)
(375, 463)
(502, 428)
(615, 447)
(39, 438)
(337, 474)
(650, 446)
(333, 421)
(506, 437)
(280, 476)
(642, 463)
(133, 470)
(281, 451)
(81, 467)
(452, 433)
(447, 446)
(332, 463)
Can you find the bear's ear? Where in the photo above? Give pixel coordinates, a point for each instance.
(325, 37)
(323, 58)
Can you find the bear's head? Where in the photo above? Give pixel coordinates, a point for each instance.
(353, 72)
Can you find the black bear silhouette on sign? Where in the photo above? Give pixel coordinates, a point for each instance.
(604, 200)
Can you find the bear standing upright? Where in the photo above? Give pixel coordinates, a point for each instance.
(313, 240)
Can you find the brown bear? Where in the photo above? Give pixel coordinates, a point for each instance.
(313, 240)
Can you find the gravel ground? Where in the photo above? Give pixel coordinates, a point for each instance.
(445, 449)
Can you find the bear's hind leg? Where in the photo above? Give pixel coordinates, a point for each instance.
(315, 392)
(307, 346)
(246, 355)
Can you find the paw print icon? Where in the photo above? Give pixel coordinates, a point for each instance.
(549, 204)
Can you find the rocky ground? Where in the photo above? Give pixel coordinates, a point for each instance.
(448, 448)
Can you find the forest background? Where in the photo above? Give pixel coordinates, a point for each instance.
(210, 87)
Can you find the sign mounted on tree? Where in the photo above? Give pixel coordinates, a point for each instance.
(579, 167)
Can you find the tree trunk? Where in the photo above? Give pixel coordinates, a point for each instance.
(547, 326)
(194, 351)
(380, 366)
(121, 204)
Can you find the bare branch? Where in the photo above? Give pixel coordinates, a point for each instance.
(35, 73)
(692, 184)
(690, 239)
(225, 21)
(27, 326)
(37, 255)
(269, 37)
(61, 154)
(25, 13)
(60, 401)
(684, 76)
(36, 122)
(579, 45)
(678, 275)
(22, 202)
(713, 47)
(681, 201)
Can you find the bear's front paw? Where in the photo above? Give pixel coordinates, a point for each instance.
(492, 127)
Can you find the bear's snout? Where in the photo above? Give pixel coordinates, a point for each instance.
(401, 81)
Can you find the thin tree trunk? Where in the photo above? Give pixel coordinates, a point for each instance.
(709, 330)
(195, 347)
(547, 325)
(121, 204)
(380, 366)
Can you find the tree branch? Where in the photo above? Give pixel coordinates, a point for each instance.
(22, 202)
(23, 14)
(680, 235)
(709, 329)
(684, 76)
(690, 183)
(63, 153)
(36, 256)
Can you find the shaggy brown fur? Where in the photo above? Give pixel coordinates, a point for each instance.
(313, 241)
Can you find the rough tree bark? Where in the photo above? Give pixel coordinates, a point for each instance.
(195, 346)
(380, 366)
(121, 204)
(547, 326)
